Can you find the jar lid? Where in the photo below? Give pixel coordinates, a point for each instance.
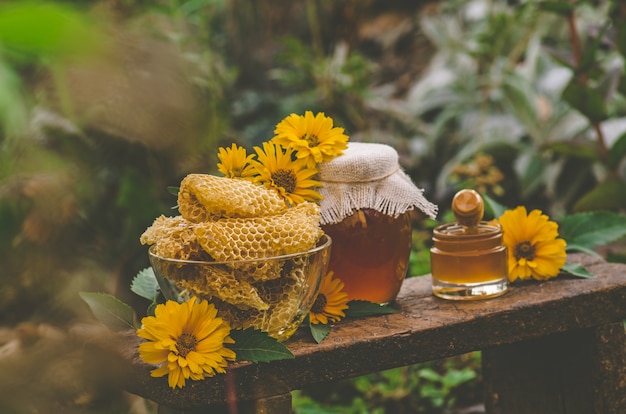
(368, 175)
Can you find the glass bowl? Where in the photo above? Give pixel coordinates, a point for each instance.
(272, 294)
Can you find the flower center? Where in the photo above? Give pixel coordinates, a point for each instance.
(320, 304)
(524, 250)
(285, 179)
(186, 343)
(311, 139)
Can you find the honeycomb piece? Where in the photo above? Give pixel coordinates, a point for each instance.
(258, 271)
(174, 238)
(203, 196)
(295, 230)
(220, 282)
(283, 295)
(239, 317)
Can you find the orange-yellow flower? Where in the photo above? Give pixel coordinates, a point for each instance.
(312, 137)
(186, 341)
(330, 302)
(534, 249)
(277, 168)
(235, 163)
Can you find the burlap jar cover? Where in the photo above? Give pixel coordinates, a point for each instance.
(368, 176)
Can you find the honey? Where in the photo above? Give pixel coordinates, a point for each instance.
(371, 254)
(366, 209)
(468, 258)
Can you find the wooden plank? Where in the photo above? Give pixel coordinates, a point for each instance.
(575, 372)
(426, 328)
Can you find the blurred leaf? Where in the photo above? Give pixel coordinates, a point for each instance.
(13, 111)
(620, 37)
(492, 206)
(571, 149)
(109, 310)
(575, 248)
(257, 346)
(563, 8)
(609, 195)
(319, 331)
(456, 377)
(593, 229)
(589, 59)
(429, 374)
(531, 171)
(586, 100)
(516, 92)
(362, 308)
(30, 30)
(577, 270)
(617, 152)
(145, 284)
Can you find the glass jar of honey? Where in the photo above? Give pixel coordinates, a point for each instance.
(468, 259)
(366, 211)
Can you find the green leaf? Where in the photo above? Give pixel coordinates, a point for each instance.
(620, 26)
(493, 206)
(589, 60)
(577, 270)
(145, 284)
(586, 100)
(562, 8)
(571, 149)
(257, 346)
(617, 152)
(361, 308)
(576, 248)
(33, 29)
(429, 374)
(516, 93)
(608, 195)
(592, 229)
(109, 310)
(319, 331)
(173, 190)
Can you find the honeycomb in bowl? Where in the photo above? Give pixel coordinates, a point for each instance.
(233, 230)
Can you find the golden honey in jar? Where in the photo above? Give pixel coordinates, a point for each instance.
(468, 259)
(371, 254)
(366, 211)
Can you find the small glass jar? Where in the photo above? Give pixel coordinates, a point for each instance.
(468, 259)
(371, 254)
(366, 210)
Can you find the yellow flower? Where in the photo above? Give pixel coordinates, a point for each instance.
(235, 163)
(534, 249)
(330, 302)
(186, 341)
(290, 177)
(312, 137)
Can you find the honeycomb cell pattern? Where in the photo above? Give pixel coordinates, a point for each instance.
(286, 308)
(295, 230)
(174, 238)
(202, 197)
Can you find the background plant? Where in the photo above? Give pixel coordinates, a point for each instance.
(521, 100)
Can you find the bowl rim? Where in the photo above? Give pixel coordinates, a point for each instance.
(324, 245)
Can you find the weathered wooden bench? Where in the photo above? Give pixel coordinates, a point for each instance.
(547, 347)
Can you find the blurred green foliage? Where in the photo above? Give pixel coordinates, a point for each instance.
(103, 105)
(432, 387)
